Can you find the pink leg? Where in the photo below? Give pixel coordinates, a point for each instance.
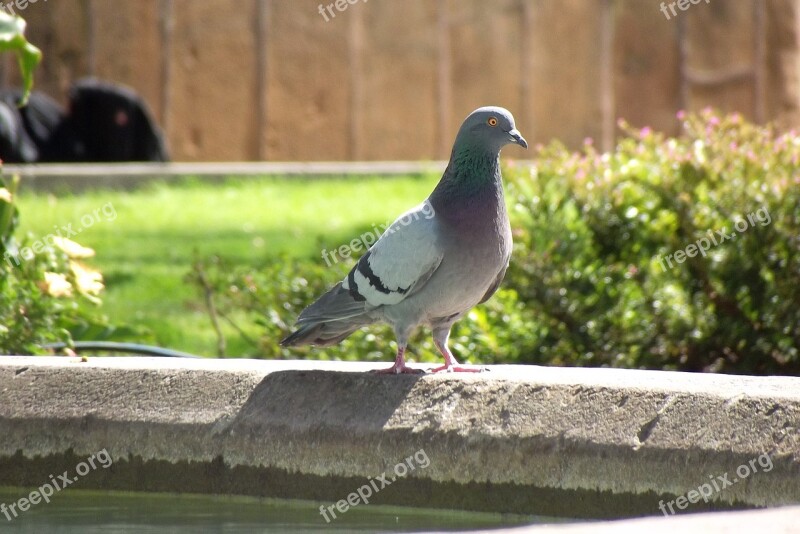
(451, 364)
(399, 366)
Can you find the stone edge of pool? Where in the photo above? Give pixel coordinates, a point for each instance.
(567, 442)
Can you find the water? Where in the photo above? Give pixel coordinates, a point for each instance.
(93, 512)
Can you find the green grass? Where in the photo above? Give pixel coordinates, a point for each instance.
(146, 250)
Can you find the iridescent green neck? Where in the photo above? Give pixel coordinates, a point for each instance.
(469, 172)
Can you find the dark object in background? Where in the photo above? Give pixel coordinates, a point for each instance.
(25, 131)
(105, 123)
(15, 145)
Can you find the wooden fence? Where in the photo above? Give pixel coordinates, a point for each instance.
(392, 80)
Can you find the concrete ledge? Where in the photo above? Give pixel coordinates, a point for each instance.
(81, 176)
(598, 443)
(230, 168)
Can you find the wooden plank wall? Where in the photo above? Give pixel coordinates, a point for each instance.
(273, 80)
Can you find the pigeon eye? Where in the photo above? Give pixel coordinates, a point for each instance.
(492, 121)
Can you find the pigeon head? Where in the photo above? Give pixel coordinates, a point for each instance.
(489, 128)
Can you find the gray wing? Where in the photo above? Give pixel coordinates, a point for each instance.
(399, 263)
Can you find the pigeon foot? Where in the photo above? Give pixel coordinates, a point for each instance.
(451, 365)
(397, 370)
(399, 367)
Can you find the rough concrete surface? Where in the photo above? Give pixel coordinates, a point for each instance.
(589, 443)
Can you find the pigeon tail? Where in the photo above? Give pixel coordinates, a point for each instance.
(329, 320)
(320, 334)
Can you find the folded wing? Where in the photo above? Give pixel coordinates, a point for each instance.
(399, 263)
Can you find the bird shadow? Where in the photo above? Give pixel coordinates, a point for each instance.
(305, 398)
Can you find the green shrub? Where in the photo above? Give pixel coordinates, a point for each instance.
(591, 281)
(593, 235)
(48, 296)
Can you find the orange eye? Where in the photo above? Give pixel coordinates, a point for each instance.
(492, 121)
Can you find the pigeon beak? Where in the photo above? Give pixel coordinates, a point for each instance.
(517, 138)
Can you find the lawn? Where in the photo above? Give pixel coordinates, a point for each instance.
(146, 239)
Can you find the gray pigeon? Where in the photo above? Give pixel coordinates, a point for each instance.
(437, 260)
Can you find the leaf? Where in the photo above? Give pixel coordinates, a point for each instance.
(12, 39)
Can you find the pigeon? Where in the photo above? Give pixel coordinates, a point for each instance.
(436, 261)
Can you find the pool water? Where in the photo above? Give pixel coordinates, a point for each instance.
(89, 512)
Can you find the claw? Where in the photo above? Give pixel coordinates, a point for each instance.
(460, 369)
